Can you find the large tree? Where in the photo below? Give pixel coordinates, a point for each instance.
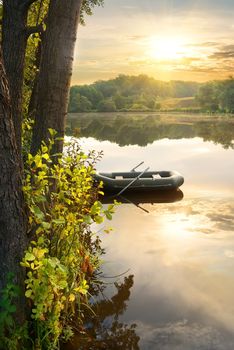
(55, 70)
(13, 238)
(16, 28)
(14, 41)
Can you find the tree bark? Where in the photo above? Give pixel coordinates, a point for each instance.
(14, 41)
(55, 71)
(13, 237)
(34, 95)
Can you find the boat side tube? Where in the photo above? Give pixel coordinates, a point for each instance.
(149, 180)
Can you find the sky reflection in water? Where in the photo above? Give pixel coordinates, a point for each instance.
(181, 254)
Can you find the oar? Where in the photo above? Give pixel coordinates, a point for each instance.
(136, 166)
(137, 205)
(132, 182)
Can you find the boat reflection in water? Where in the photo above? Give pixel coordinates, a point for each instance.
(142, 197)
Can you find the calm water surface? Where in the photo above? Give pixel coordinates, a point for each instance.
(179, 287)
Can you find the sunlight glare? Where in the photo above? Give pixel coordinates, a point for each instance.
(166, 48)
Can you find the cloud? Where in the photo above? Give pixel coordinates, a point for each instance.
(223, 53)
(183, 334)
(224, 222)
(205, 44)
(199, 69)
(137, 37)
(121, 30)
(88, 63)
(189, 60)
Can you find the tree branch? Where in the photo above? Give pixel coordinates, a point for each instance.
(28, 2)
(33, 30)
(25, 4)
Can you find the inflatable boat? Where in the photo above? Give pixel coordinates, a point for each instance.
(118, 182)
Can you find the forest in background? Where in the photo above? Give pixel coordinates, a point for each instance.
(143, 93)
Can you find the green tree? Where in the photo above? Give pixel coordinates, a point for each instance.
(79, 103)
(121, 102)
(106, 106)
(226, 95)
(89, 92)
(107, 88)
(141, 91)
(207, 96)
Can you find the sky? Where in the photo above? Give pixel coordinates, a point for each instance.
(168, 40)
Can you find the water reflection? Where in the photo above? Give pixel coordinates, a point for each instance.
(137, 129)
(103, 330)
(182, 257)
(140, 197)
(180, 251)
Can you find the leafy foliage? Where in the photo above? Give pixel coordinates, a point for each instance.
(8, 325)
(80, 103)
(36, 18)
(62, 203)
(106, 106)
(217, 96)
(64, 253)
(87, 8)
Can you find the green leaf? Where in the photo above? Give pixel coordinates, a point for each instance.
(46, 156)
(37, 211)
(52, 132)
(11, 308)
(108, 215)
(87, 219)
(29, 256)
(46, 225)
(40, 240)
(28, 293)
(58, 221)
(99, 219)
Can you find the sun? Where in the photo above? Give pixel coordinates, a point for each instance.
(166, 48)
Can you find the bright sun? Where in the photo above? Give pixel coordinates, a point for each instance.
(166, 48)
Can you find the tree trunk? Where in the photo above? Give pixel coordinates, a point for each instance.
(13, 237)
(55, 71)
(34, 95)
(14, 41)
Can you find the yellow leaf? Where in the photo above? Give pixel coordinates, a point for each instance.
(71, 297)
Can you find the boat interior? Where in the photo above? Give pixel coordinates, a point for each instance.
(133, 174)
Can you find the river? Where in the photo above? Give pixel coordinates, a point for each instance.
(176, 254)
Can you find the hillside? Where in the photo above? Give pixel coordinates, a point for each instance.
(143, 93)
(132, 93)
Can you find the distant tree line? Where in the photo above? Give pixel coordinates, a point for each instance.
(127, 93)
(216, 96)
(143, 93)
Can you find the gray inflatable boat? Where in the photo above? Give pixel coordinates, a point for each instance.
(135, 181)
